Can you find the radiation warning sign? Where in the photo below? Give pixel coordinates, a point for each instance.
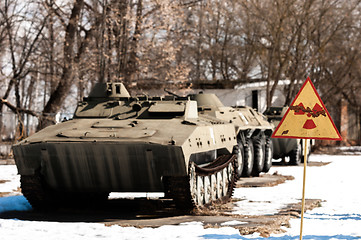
(307, 117)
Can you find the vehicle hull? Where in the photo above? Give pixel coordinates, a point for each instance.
(106, 166)
(282, 147)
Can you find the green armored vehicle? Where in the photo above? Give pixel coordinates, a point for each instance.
(285, 147)
(191, 148)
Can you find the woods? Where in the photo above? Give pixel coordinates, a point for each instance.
(52, 52)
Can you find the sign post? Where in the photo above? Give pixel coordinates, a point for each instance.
(304, 184)
(307, 118)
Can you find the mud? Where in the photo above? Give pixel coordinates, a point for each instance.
(281, 163)
(4, 194)
(7, 161)
(265, 180)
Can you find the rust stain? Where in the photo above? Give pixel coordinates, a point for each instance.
(284, 132)
(315, 112)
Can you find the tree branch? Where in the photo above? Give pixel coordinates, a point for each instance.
(18, 110)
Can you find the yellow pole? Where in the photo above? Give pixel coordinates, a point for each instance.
(304, 183)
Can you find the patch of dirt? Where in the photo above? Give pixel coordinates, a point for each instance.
(3, 194)
(9, 161)
(217, 217)
(271, 226)
(265, 225)
(295, 208)
(317, 164)
(309, 164)
(265, 180)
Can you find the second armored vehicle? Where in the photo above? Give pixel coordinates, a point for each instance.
(285, 147)
(191, 148)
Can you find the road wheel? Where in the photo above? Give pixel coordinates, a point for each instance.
(219, 185)
(193, 180)
(248, 158)
(207, 189)
(34, 190)
(200, 191)
(225, 181)
(259, 156)
(213, 187)
(239, 152)
(268, 155)
(296, 155)
(230, 172)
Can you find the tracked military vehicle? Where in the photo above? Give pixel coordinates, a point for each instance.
(191, 148)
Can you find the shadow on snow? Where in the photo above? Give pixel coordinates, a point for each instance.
(286, 237)
(320, 216)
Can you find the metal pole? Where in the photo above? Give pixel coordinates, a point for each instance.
(304, 183)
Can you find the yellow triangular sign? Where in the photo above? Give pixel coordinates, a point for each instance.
(307, 117)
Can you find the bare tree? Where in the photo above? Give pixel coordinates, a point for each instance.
(22, 42)
(68, 46)
(337, 39)
(295, 38)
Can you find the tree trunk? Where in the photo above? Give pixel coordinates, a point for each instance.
(58, 96)
(132, 62)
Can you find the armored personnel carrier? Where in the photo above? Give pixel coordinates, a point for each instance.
(285, 147)
(191, 148)
(253, 132)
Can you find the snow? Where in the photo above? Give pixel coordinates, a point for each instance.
(8, 173)
(234, 222)
(339, 217)
(132, 195)
(330, 182)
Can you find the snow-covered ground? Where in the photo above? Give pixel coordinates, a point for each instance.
(339, 217)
